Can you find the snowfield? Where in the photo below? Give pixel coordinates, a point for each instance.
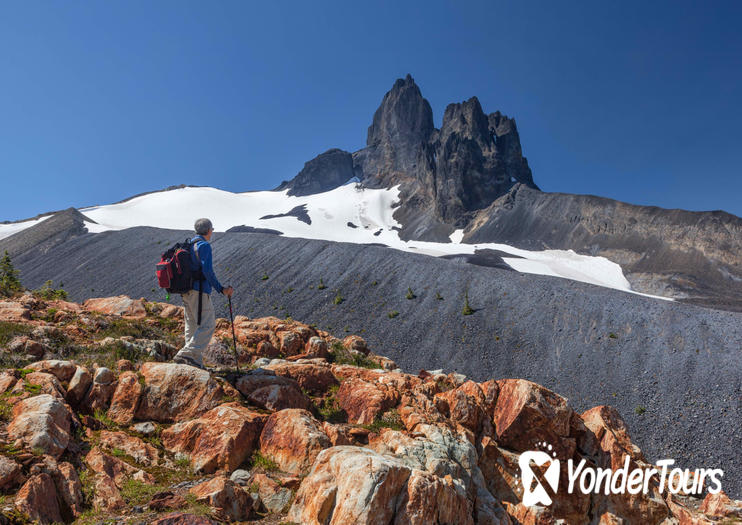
(6, 230)
(349, 213)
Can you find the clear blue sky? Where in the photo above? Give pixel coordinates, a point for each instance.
(638, 101)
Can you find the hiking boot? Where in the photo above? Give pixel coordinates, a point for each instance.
(185, 360)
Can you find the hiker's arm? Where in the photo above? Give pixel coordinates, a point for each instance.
(205, 252)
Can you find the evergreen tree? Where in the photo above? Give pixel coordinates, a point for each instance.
(10, 283)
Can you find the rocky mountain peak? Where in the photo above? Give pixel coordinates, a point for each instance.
(404, 116)
(445, 175)
(467, 120)
(324, 172)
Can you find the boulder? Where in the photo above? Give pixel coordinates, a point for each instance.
(267, 390)
(229, 501)
(10, 474)
(363, 401)
(106, 494)
(167, 500)
(316, 347)
(124, 365)
(69, 488)
(221, 439)
(344, 434)
(293, 439)
(430, 499)
(62, 370)
(146, 428)
(175, 392)
(607, 433)
(41, 422)
(35, 349)
(464, 405)
(526, 413)
(721, 506)
(442, 452)
(13, 312)
(100, 393)
(143, 453)
(350, 485)
(356, 343)
(119, 305)
(66, 482)
(119, 471)
(171, 311)
(38, 499)
(125, 398)
(78, 386)
(8, 380)
(48, 384)
(274, 497)
(314, 378)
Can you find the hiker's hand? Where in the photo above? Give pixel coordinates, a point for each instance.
(228, 291)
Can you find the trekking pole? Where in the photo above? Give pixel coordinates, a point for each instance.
(234, 336)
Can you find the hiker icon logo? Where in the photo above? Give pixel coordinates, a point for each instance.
(534, 493)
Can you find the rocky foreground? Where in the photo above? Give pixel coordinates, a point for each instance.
(97, 427)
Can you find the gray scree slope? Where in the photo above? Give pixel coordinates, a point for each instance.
(592, 345)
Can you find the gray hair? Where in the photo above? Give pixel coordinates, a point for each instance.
(203, 226)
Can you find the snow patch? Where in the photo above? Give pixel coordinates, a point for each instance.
(330, 212)
(6, 230)
(457, 236)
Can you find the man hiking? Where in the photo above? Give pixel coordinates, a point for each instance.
(197, 336)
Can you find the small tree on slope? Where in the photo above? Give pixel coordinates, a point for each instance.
(10, 283)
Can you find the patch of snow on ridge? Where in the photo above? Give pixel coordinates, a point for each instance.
(6, 230)
(330, 212)
(457, 236)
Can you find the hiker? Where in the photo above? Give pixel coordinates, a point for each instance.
(197, 336)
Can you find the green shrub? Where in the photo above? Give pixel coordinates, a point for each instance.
(640, 410)
(321, 285)
(468, 310)
(330, 410)
(438, 296)
(410, 295)
(48, 293)
(261, 461)
(338, 298)
(265, 277)
(389, 419)
(9, 330)
(612, 336)
(10, 283)
(49, 315)
(137, 492)
(340, 355)
(393, 314)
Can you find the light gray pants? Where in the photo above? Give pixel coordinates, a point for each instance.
(197, 337)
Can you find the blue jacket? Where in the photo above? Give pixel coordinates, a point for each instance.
(204, 255)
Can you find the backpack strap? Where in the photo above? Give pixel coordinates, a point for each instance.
(200, 283)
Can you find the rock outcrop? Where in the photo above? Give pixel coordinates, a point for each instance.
(373, 445)
(325, 172)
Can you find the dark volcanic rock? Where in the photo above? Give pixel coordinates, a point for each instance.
(324, 172)
(445, 174)
(252, 229)
(693, 256)
(402, 124)
(42, 237)
(300, 212)
(678, 361)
